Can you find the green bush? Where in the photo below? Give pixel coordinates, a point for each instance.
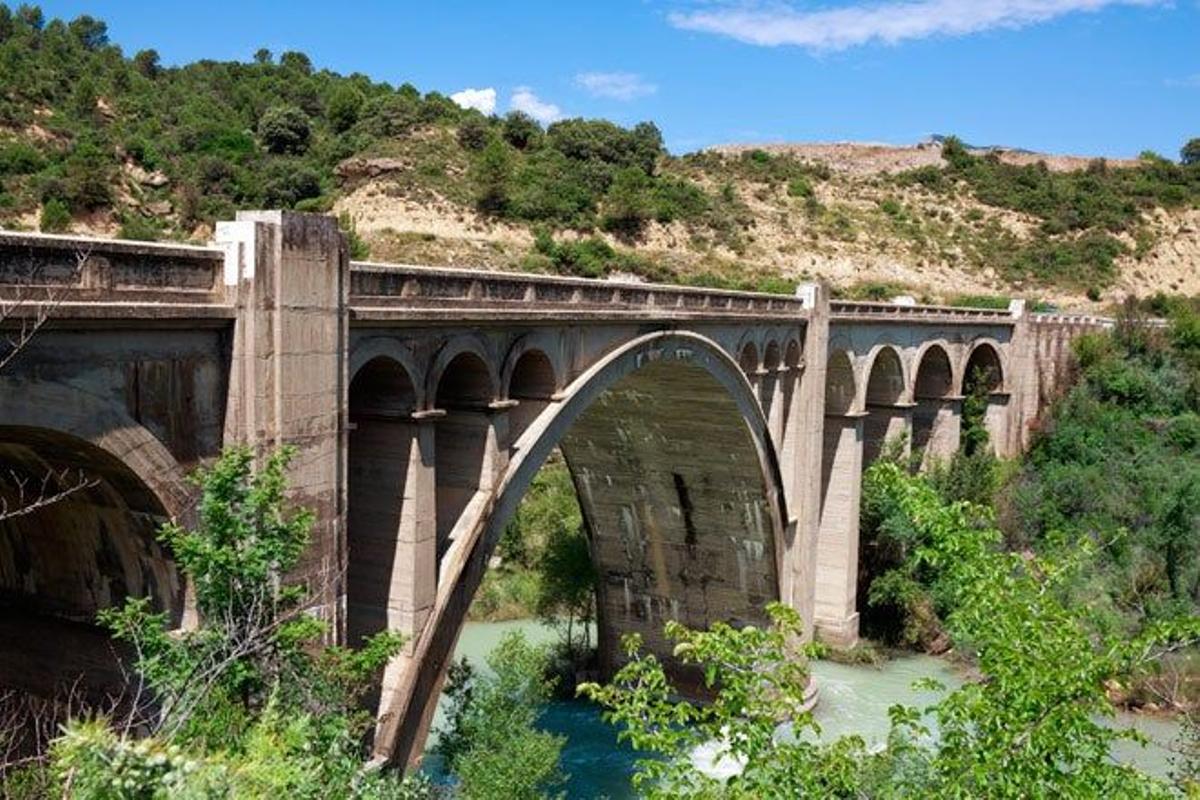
(491, 742)
(138, 228)
(56, 217)
(473, 133)
(284, 129)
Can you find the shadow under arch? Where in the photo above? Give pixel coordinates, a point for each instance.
(723, 537)
(90, 549)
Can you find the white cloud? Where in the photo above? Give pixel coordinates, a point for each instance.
(1187, 82)
(523, 99)
(622, 86)
(888, 22)
(483, 100)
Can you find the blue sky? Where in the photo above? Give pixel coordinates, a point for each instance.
(1090, 77)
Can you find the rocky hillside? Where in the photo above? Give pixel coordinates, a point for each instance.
(94, 141)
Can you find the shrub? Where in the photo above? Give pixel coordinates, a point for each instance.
(491, 743)
(20, 158)
(521, 130)
(345, 105)
(1189, 154)
(56, 217)
(799, 187)
(490, 174)
(138, 228)
(474, 132)
(284, 129)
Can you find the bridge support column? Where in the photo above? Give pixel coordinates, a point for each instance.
(995, 419)
(884, 424)
(937, 424)
(837, 544)
(289, 276)
(804, 447)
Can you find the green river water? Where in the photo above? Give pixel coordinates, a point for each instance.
(853, 699)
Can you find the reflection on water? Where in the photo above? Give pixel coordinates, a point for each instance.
(854, 699)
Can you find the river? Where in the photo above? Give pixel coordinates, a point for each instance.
(853, 699)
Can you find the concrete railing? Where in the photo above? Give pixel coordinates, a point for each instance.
(83, 276)
(848, 310)
(443, 291)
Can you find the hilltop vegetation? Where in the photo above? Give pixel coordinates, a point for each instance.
(94, 140)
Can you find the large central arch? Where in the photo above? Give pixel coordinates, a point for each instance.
(681, 491)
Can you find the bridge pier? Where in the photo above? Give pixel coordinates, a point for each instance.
(836, 585)
(288, 277)
(937, 423)
(886, 423)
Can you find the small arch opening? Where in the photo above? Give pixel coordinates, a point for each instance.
(983, 376)
(885, 386)
(934, 383)
(770, 377)
(839, 384)
(748, 359)
(532, 385)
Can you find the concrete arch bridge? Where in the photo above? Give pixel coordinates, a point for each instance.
(716, 439)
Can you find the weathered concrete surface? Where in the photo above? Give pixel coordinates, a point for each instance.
(717, 439)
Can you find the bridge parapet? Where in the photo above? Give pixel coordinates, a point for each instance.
(391, 291)
(858, 310)
(105, 278)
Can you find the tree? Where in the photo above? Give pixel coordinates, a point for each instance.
(521, 130)
(628, 204)
(263, 56)
(345, 105)
(490, 174)
(491, 743)
(284, 129)
(1190, 153)
(146, 62)
(1030, 727)
(248, 703)
(56, 217)
(474, 132)
(90, 32)
(297, 61)
(567, 588)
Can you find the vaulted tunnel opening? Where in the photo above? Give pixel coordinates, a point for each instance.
(77, 535)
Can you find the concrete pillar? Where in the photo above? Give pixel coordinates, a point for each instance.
(886, 423)
(790, 428)
(937, 426)
(414, 569)
(288, 275)
(806, 434)
(837, 541)
(777, 410)
(996, 420)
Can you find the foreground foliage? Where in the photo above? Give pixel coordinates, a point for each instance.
(1032, 726)
(491, 743)
(249, 703)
